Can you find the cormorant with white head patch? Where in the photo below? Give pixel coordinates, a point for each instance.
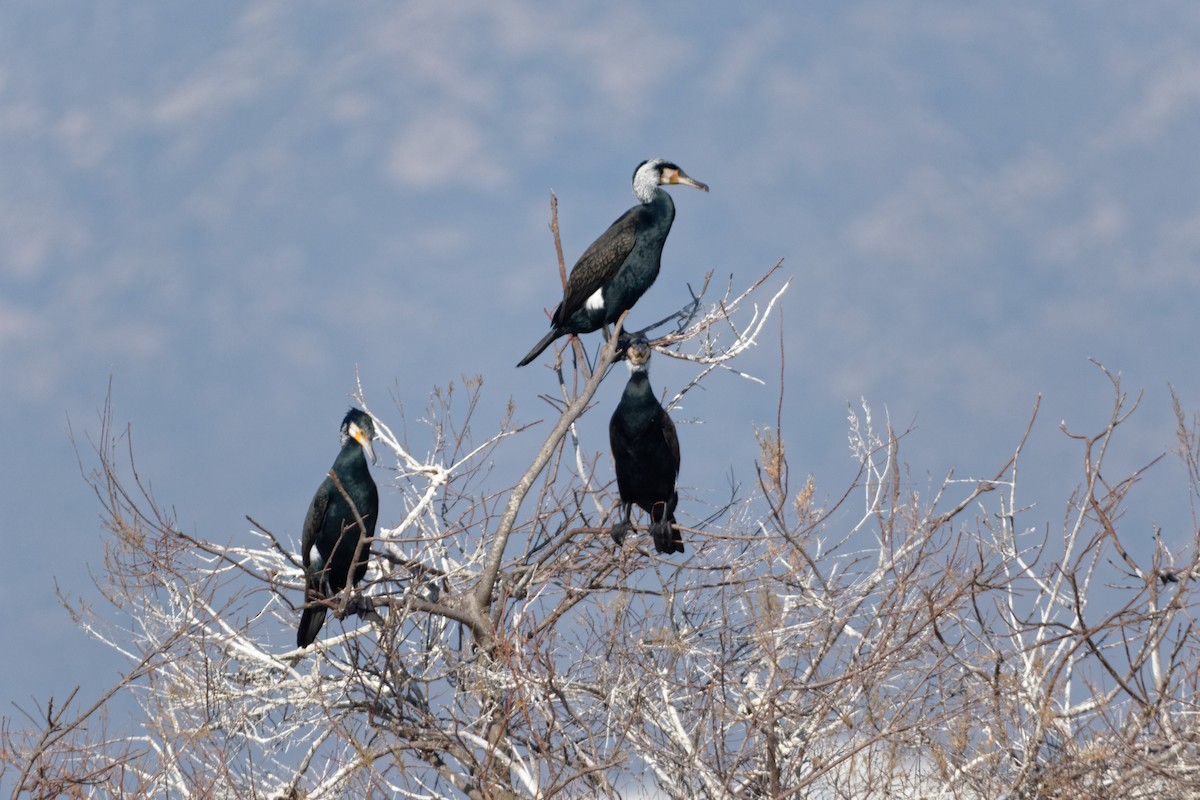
(645, 453)
(621, 265)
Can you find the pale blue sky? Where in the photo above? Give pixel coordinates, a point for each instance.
(229, 207)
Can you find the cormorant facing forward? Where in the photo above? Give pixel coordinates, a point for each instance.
(331, 530)
(621, 265)
(645, 451)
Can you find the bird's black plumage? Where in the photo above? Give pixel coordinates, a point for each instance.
(621, 265)
(645, 452)
(332, 531)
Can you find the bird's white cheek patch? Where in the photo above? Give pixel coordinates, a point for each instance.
(596, 301)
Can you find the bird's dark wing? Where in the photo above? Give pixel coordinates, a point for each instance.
(613, 441)
(621, 443)
(314, 521)
(672, 440)
(599, 263)
(312, 618)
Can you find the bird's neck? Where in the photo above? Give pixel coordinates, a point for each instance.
(351, 456)
(660, 203)
(642, 369)
(646, 191)
(639, 381)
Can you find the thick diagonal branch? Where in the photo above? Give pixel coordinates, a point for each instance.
(491, 568)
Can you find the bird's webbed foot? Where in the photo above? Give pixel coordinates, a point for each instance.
(619, 531)
(666, 538)
(364, 608)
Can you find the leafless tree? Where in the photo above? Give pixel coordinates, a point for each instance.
(879, 643)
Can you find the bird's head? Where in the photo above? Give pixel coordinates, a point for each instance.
(637, 353)
(359, 426)
(655, 172)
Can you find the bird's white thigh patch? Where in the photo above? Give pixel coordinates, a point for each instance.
(596, 301)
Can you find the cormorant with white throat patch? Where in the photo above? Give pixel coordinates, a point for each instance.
(338, 519)
(645, 452)
(621, 265)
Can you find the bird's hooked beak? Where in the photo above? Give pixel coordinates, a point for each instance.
(679, 176)
(364, 441)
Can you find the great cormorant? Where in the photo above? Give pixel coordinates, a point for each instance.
(645, 451)
(331, 531)
(621, 265)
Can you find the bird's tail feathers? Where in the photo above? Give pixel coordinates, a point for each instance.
(313, 616)
(310, 625)
(554, 333)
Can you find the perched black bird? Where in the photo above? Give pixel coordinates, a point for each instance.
(331, 530)
(645, 450)
(622, 264)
